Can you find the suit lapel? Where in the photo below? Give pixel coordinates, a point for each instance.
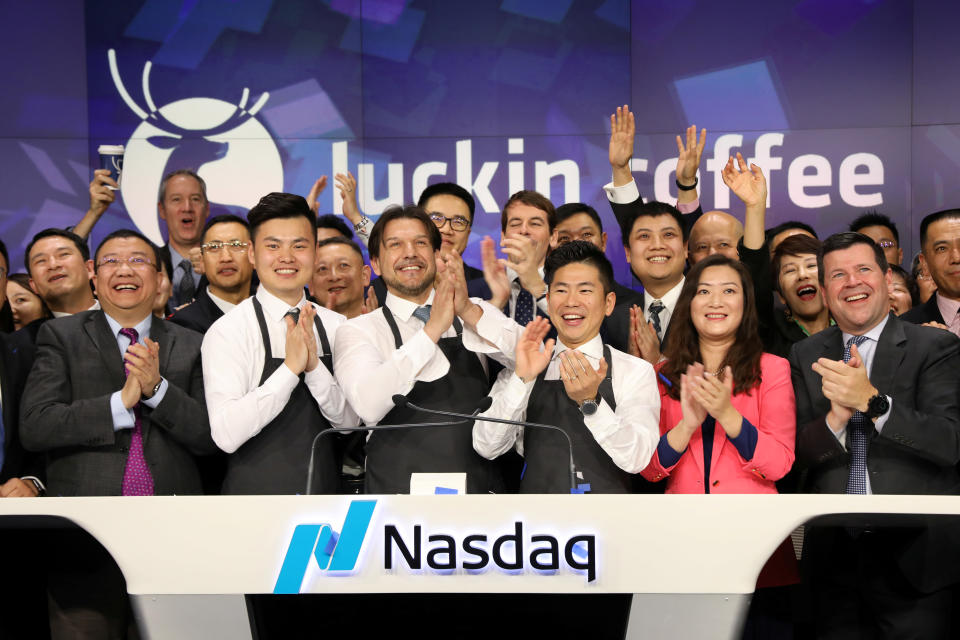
(160, 335)
(891, 349)
(933, 310)
(105, 343)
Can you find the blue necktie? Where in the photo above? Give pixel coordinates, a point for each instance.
(524, 310)
(859, 427)
(422, 313)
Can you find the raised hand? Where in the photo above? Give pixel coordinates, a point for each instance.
(622, 134)
(846, 386)
(143, 362)
(442, 312)
(295, 348)
(370, 303)
(749, 185)
(196, 259)
(643, 341)
(688, 155)
(307, 313)
(714, 395)
(522, 254)
(580, 380)
(533, 355)
(494, 273)
(101, 193)
(347, 186)
(315, 192)
(694, 413)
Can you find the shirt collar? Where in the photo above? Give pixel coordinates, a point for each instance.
(592, 348)
(513, 277)
(221, 304)
(63, 314)
(402, 308)
(274, 307)
(670, 298)
(873, 334)
(948, 308)
(142, 328)
(175, 257)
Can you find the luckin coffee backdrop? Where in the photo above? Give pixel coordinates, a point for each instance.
(848, 105)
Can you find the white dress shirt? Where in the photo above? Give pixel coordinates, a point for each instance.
(371, 369)
(867, 350)
(64, 314)
(669, 301)
(222, 304)
(629, 434)
(233, 358)
(515, 293)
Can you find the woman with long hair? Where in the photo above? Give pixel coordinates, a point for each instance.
(727, 410)
(24, 303)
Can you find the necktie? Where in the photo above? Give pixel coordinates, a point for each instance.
(137, 480)
(524, 310)
(293, 313)
(859, 437)
(422, 313)
(186, 289)
(655, 308)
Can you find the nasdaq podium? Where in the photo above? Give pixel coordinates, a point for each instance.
(684, 561)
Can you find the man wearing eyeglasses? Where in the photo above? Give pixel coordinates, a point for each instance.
(115, 401)
(228, 273)
(882, 230)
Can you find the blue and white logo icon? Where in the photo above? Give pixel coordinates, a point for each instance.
(333, 551)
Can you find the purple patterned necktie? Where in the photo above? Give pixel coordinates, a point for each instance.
(137, 480)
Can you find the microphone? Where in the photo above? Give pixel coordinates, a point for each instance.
(401, 401)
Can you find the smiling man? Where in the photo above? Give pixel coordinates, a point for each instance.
(115, 400)
(877, 412)
(182, 204)
(340, 277)
(940, 258)
(428, 341)
(605, 400)
(226, 239)
(60, 269)
(268, 363)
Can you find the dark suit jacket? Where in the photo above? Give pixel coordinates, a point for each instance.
(929, 311)
(66, 409)
(14, 367)
(624, 213)
(616, 327)
(919, 447)
(199, 314)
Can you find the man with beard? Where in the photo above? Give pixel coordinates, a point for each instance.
(427, 341)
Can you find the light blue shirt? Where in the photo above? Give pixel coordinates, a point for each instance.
(124, 418)
(176, 259)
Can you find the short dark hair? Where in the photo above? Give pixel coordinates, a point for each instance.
(583, 252)
(935, 217)
(181, 172)
(222, 219)
(79, 242)
(574, 208)
(278, 205)
(652, 209)
(798, 245)
(449, 189)
(875, 219)
(397, 212)
(533, 199)
(127, 233)
(845, 240)
(909, 280)
(335, 222)
(770, 233)
(341, 240)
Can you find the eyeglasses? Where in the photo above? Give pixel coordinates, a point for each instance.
(235, 246)
(457, 223)
(886, 244)
(134, 262)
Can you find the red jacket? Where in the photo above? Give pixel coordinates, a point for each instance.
(770, 408)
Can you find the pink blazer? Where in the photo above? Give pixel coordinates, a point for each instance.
(769, 407)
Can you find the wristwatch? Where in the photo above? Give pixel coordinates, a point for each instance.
(360, 226)
(589, 407)
(155, 389)
(877, 406)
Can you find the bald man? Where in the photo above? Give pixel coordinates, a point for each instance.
(714, 232)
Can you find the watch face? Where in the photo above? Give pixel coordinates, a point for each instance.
(588, 408)
(878, 406)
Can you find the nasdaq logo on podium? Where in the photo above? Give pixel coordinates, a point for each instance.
(333, 551)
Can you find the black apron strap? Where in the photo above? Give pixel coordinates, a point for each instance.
(267, 349)
(393, 326)
(326, 354)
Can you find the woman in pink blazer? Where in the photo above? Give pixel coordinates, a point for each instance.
(727, 418)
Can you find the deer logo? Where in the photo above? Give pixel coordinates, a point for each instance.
(230, 149)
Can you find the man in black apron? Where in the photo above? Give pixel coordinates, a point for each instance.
(426, 342)
(267, 364)
(606, 400)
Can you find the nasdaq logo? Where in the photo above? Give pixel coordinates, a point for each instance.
(333, 551)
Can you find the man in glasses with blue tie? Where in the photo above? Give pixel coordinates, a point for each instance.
(268, 363)
(427, 341)
(877, 412)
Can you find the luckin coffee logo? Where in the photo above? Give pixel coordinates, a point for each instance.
(333, 551)
(224, 142)
(441, 552)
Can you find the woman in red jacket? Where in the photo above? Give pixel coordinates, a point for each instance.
(727, 409)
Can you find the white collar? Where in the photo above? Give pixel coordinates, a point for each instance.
(592, 348)
(512, 275)
(273, 307)
(64, 314)
(670, 298)
(873, 334)
(402, 308)
(223, 305)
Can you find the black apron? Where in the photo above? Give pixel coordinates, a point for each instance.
(274, 462)
(393, 455)
(546, 453)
